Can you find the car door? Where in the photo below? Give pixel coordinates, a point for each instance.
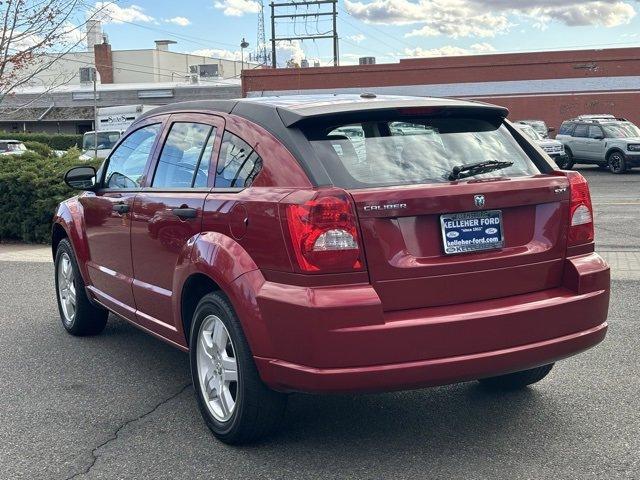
(595, 144)
(578, 143)
(168, 212)
(107, 214)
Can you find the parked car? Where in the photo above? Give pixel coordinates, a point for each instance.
(539, 126)
(283, 263)
(603, 140)
(12, 147)
(553, 148)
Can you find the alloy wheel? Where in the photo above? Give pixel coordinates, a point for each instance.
(66, 289)
(616, 163)
(217, 368)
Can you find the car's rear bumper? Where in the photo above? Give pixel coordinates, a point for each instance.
(441, 371)
(339, 339)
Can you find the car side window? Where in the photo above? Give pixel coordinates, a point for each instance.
(127, 162)
(565, 128)
(238, 164)
(595, 132)
(580, 131)
(182, 161)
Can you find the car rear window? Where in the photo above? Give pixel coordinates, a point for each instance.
(414, 151)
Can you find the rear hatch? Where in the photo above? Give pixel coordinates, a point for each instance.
(405, 250)
(432, 240)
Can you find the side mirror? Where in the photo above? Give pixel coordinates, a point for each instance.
(81, 178)
(598, 137)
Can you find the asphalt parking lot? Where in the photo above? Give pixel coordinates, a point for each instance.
(120, 405)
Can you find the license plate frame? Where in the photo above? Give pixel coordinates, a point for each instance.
(471, 232)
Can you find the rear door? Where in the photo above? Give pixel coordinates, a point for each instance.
(432, 242)
(168, 212)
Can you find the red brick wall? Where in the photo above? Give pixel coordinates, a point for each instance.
(104, 62)
(483, 68)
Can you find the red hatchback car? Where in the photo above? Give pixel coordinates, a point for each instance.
(333, 244)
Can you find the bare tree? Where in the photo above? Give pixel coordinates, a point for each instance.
(34, 34)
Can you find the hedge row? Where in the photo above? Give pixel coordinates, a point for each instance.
(56, 142)
(31, 187)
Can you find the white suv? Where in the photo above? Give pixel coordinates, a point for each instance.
(604, 140)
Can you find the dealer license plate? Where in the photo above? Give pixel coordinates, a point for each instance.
(472, 231)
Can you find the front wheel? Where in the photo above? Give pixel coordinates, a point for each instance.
(234, 402)
(79, 316)
(617, 163)
(517, 380)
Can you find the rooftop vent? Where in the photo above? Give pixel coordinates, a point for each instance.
(163, 45)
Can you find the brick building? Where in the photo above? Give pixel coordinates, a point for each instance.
(551, 86)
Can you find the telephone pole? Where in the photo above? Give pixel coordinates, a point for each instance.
(325, 8)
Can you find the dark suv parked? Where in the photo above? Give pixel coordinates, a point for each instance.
(333, 244)
(604, 140)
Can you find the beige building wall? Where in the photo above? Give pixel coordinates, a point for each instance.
(153, 65)
(135, 66)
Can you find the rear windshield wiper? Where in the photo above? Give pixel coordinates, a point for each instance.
(471, 169)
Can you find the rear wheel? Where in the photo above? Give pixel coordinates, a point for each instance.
(79, 316)
(234, 402)
(517, 380)
(565, 163)
(617, 163)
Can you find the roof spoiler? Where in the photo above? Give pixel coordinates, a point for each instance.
(292, 118)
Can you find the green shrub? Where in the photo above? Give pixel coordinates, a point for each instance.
(56, 141)
(31, 187)
(40, 148)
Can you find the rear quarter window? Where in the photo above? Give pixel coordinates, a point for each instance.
(415, 151)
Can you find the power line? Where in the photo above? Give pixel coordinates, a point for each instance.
(187, 38)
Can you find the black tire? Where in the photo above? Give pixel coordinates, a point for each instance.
(616, 163)
(517, 380)
(258, 410)
(567, 162)
(88, 319)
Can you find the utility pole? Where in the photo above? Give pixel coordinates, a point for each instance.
(94, 75)
(322, 11)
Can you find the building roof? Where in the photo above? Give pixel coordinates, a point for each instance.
(46, 114)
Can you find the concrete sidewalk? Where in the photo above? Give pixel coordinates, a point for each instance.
(19, 252)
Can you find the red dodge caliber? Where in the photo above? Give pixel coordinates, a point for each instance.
(352, 243)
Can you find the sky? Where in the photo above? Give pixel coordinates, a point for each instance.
(386, 29)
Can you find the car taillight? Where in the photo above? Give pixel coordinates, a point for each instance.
(581, 226)
(324, 233)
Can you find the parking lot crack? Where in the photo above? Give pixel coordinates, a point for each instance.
(95, 455)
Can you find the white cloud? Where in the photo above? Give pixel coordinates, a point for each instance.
(357, 38)
(237, 8)
(290, 51)
(218, 53)
(454, 18)
(110, 12)
(181, 21)
(449, 51)
(488, 18)
(606, 14)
